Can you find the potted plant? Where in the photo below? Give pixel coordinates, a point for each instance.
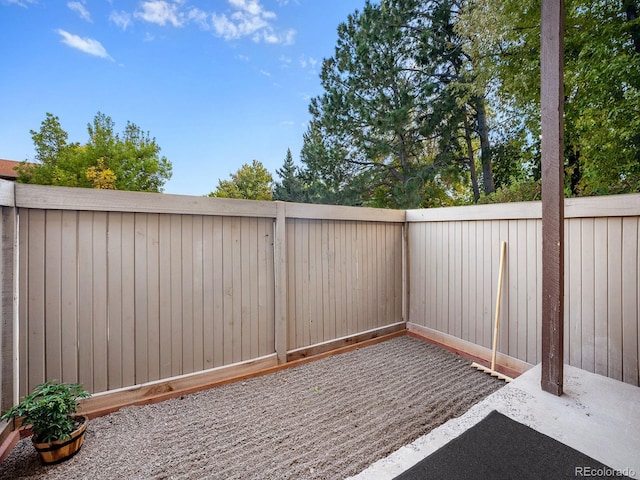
(49, 409)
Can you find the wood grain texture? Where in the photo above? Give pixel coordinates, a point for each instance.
(626, 205)
(8, 268)
(115, 299)
(602, 293)
(7, 193)
(552, 151)
(281, 283)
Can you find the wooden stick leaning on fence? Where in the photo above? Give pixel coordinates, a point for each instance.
(492, 371)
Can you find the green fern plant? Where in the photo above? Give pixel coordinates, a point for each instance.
(49, 409)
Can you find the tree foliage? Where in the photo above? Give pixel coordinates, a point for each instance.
(127, 161)
(398, 125)
(602, 83)
(251, 182)
(436, 102)
(290, 188)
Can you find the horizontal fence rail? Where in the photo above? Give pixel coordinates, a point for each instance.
(454, 258)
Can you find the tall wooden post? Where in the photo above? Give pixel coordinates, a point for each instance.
(552, 108)
(280, 271)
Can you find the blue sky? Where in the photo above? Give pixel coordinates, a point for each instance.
(218, 83)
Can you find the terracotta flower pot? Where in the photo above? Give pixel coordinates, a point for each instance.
(61, 450)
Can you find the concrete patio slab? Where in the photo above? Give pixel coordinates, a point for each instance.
(597, 415)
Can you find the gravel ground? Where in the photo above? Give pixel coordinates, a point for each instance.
(327, 419)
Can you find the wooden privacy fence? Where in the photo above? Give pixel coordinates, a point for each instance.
(127, 291)
(454, 258)
(118, 289)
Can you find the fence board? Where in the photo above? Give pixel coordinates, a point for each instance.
(315, 279)
(127, 290)
(261, 309)
(521, 320)
(8, 274)
(53, 298)
(23, 304)
(207, 293)
(532, 297)
(465, 274)
(455, 305)
(348, 264)
(480, 260)
(36, 299)
(614, 231)
(338, 285)
(85, 300)
(630, 300)
(573, 285)
(324, 315)
(236, 290)
(510, 321)
(218, 294)
(198, 294)
(246, 231)
(587, 281)
(99, 302)
(152, 249)
(186, 290)
(601, 275)
(115, 321)
(164, 292)
(506, 305)
(141, 312)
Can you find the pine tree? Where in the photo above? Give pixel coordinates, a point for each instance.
(291, 187)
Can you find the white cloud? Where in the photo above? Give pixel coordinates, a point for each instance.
(249, 18)
(20, 3)
(198, 16)
(86, 45)
(252, 7)
(81, 10)
(308, 62)
(244, 58)
(161, 13)
(121, 19)
(239, 25)
(265, 73)
(269, 36)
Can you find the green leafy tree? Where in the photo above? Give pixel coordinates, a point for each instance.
(602, 83)
(133, 156)
(130, 161)
(251, 182)
(290, 188)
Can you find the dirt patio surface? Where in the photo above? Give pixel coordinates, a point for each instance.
(327, 419)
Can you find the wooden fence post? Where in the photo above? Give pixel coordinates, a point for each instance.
(552, 108)
(280, 271)
(8, 266)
